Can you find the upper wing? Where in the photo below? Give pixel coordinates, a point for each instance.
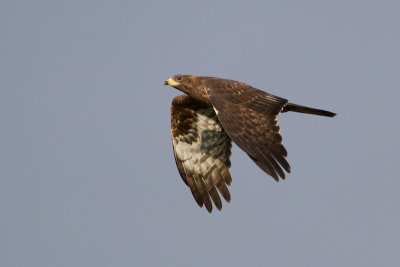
(249, 116)
(202, 150)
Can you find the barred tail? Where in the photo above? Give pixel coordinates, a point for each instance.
(308, 110)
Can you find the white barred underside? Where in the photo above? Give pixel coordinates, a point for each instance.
(208, 149)
(204, 153)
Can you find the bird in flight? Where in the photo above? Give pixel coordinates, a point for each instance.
(211, 114)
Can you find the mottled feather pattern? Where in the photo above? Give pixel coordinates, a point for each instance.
(202, 150)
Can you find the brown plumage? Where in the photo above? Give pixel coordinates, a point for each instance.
(215, 111)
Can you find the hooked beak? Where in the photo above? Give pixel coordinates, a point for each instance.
(170, 82)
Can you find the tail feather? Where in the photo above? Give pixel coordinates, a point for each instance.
(308, 110)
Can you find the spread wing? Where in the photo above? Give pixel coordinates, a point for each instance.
(202, 150)
(249, 116)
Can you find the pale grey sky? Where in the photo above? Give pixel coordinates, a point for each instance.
(87, 175)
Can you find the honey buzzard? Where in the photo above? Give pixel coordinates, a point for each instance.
(211, 114)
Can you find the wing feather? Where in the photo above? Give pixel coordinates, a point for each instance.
(201, 187)
(249, 116)
(202, 150)
(219, 182)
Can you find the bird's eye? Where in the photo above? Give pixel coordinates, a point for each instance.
(179, 78)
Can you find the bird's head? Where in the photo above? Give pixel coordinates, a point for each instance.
(180, 81)
(190, 84)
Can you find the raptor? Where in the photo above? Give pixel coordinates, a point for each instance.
(211, 114)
